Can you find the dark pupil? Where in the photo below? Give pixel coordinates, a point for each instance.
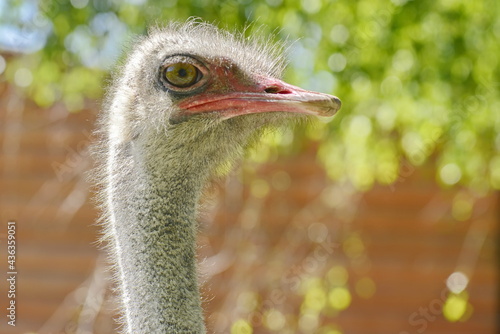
(182, 72)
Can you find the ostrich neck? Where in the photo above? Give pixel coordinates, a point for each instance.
(152, 202)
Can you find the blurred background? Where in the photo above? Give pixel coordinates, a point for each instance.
(383, 220)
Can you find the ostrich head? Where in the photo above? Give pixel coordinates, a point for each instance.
(187, 100)
(205, 92)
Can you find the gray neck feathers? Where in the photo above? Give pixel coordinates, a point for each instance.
(152, 201)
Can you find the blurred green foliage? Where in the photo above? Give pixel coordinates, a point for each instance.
(418, 79)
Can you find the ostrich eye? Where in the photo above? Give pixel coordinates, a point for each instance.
(182, 75)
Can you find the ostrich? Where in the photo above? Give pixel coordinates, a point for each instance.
(187, 101)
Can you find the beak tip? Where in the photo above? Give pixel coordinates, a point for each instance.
(337, 102)
(335, 105)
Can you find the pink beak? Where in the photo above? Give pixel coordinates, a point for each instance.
(264, 95)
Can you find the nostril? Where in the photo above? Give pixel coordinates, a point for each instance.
(276, 90)
(272, 90)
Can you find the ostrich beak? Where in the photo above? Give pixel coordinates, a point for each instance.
(262, 95)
